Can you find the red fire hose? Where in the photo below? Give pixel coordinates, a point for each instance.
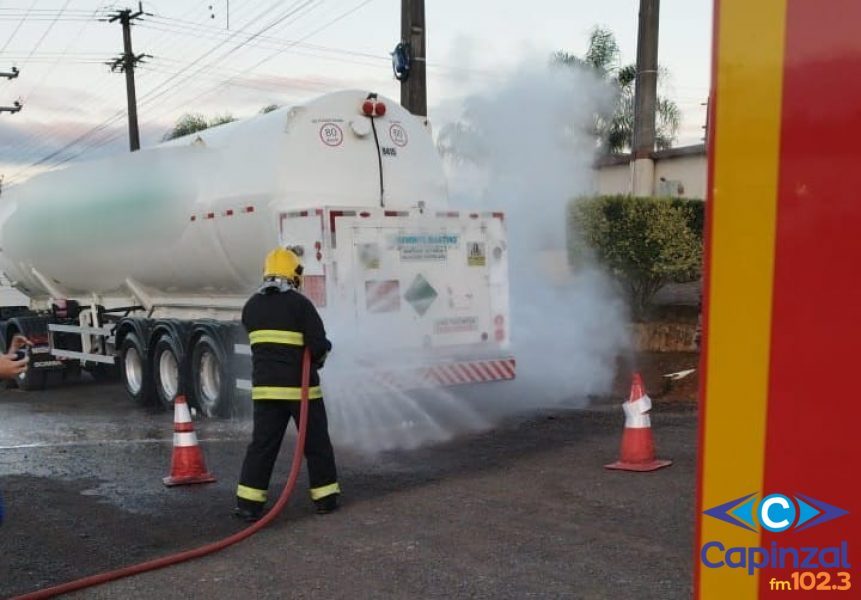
(179, 557)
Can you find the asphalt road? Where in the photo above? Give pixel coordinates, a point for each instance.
(523, 509)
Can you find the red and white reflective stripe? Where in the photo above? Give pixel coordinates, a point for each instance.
(226, 213)
(184, 439)
(471, 372)
(636, 413)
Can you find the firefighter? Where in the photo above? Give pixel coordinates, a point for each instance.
(281, 323)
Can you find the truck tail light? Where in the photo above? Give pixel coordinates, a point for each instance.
(499, 324)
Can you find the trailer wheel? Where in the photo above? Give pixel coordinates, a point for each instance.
(212, 383)
(167, 371)
(134, 368)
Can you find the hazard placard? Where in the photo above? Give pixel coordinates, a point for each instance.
(369, 255)
(476, 256)
(382, 296)
(420, 295)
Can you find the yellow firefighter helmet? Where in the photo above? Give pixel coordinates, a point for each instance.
(283, 263)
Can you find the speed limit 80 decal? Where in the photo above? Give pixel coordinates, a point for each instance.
(331, 133)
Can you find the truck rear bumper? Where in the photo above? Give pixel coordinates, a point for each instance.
(438, 373)
(464, 372)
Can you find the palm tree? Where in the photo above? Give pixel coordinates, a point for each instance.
(616, 131)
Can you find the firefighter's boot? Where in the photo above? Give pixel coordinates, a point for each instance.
(327, 504)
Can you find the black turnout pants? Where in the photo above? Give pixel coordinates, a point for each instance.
(271, 418)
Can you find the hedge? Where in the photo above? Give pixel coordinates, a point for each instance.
(644, 243)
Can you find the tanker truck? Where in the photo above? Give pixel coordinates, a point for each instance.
(137, 266)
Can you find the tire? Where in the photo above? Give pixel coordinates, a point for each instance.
(167, 372)
(135, 369)
(212, 384)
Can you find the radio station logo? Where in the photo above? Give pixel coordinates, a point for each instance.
(776, 512)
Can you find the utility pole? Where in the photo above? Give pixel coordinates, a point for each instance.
(645, 100)
(414, 86)
(11, 75)
(126, 63)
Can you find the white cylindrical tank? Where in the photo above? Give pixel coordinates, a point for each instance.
(193, 218)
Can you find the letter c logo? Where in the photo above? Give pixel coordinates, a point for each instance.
(776, 513)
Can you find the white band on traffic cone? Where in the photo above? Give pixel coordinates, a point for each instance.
(181, 415)
(636, 416)
(184, 439)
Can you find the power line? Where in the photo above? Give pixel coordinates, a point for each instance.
(328, 24)
(20, 23)
(62, 55)
(89, 133)
(97, 92)
(48, 30)
(101, 136)
(98, 129)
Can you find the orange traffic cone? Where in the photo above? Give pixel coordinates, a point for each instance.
(187, 464)
(638, 448)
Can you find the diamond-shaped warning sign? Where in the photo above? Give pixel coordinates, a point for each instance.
(420, 295)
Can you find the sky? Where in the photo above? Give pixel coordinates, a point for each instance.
(286, 51)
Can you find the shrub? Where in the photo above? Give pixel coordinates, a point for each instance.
(644, 243)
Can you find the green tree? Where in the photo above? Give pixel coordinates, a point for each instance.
(221, 119)
(644, 243)
(193, 122)
(617, 131)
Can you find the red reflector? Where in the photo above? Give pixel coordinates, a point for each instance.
(319, 256)
(368, 107)
(391, 213)
(318, 245)
(228, 212)
(364, 213)
(379, 109)
(249, 209)
(210, 215)
(303, 213)
(499, 215)
(193, 218)
(473, 215)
